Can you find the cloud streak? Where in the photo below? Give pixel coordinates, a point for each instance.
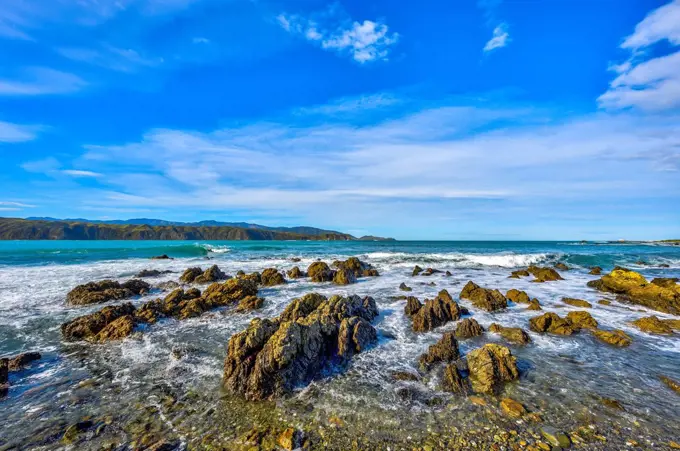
(15, 133)
(500, 38)
(37, 81)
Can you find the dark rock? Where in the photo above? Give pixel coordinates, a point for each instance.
(436, 312)
(484, 298)
(271, 357)
(416, 270)
(595, 271)
(87, 327)
(18, 362)
(295, 259)
(320, 272)
(271, 277)
(551, 322)
(344, 276)
(468, 328)
(190, 274)
(404, 287)
(161, 257)
(513, 334)
(151, 273)
(105, 290)
(448, 274)
(168, 285)
(490, 367)
(73, 432)
(453, 381)
(295, 273)
(212, 274)
(412, 306)
(4, 369)
(518, 274)
(429, 272)
(445, 350)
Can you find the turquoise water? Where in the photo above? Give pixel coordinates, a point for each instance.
(573, 372)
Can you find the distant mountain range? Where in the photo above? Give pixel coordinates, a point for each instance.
(46, 228)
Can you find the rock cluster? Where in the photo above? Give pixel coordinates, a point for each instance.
(513, 334)
(445, 350)
(662, 294)
(551, 322)
(197, 275)
(484, 298)
(88, 327)
(412, 306)
(295, 273)
(106, 290)
(356, 266)
(436, 312)
(273, 356)
(540, 274)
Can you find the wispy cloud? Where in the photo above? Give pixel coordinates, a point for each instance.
(500, 38)
(13, 206)
(14, 133)
(500, 35)
(110, 57)
(41, 81)
(644, 81)
(333, 30)
(80, 173)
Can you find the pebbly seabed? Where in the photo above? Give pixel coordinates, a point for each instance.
(162, 386)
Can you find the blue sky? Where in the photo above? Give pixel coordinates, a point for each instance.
(489, 119)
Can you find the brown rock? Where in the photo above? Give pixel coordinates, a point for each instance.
(405, 376)
(453, 381)
(117, 329)
(229, 292)
(429, 272)
(468, 328)
(436, 312)
(404, 287)
(249, 303)
(519, 273)
(577, 302)
(512, 408)
(604, 302)
(190, 274)
(295, 273)
(445, 350)
(534, 305)
(212, 274)
(105, 290)
(344, 276)
(490, 367)
(18, 362)
(320, 272)
(412, 306)
(672, 323)
(561, 266)
(581, 320)
(88, 326)
(290, 439)
(551, 322)
(652, 325)
(543, 274)
(513, 334)
(357, 267)
(484, 298)
(271, 277)
(613, 337)
(595, 271)
(518, 296)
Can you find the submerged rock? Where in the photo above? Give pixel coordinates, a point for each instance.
(295, 273)
(429, 272)
(551, 322)
(320, 272)
(518, 274)
(106, 290)
(445, 350)
(513, 334)
(151, 273)
(672, 384)
(484, 298)
(490, 367)
(212, 274)
(271, 357)
(436, 312)
(660, 294)
(18, 362)
(653, 325)
(512, 408)
(614, 337)
(581, 320)
(577, 302)
(404, 287)
(412, 306)
(87, 327)
(555, 437)
(271, 277)
(405, 376)
(468, 328)
(161, 257)
(561, 266)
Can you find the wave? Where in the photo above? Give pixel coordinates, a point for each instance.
(213, 248)
(505, 260)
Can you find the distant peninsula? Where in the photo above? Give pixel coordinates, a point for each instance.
(153, 229)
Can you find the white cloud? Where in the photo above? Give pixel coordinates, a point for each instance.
(41, 81)
(200, 40)
(79, 173)
(16, 205)
(500, 38)
(648, 83)
(363, 41)
(110, 57)
(14, 133)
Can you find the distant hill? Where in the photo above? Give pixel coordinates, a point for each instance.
(52, 229)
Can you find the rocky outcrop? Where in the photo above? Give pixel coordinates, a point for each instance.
(412, 306)
(614, 337)
(254, 277)
(22, 360)
(295, 273)
(436, 312)
(653, 325)
(357, 267)
(551, 322)
(577, 302)
(190, 274)
(271, 357)
(344, 276)
(404, 287)
(468, 328)
(117, 329)
(534, 305)
(271, 277)
(249, 303)
(484, 298)
(660, 294)
(106, 290)
(320, 272)
(88, 327)
(518, 296)
(513, 334)
(212, 274)
(490, 367)
(445, 350)
(151, 273)
(581, 320)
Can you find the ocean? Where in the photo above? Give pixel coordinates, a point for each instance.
(121, 385)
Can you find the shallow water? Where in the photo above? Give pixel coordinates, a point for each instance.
(563, 378)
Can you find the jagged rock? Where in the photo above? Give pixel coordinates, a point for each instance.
(581, 320)
(551, 322)
(512, 408)
(356, 266)
(295, 273)
(344, 276)
(212, 274)
(490, 367)
(518, 296)
(453, 381)
(577, 302)
(595, 271)
(161, 257)
(518, 274)
(229, 292)
(484, 298)
(561, 266)
(88, 326)
(448, 274)
(18, 362)
(105, 290)
(249, 303)
(151, 273)
(416, 270)
(468, 328)
(672, 384)
(672, 323)
(254, 277)
(436, 312)
(660, 294)
(271, 277)
(178, 304)
(405, 376)
(534, 305)
(404, 287)
(614, 337)
(117, 329)
(271, 357)
(445, 350)
(513, 334)
(320, 272)
(190, 274)
(412, 306)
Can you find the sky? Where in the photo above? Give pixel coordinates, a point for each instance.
(443, 119)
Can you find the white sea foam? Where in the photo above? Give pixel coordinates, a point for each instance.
(461, 260)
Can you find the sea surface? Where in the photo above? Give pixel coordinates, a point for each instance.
(564, 378)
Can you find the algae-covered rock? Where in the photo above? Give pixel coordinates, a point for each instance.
(577, 302)
(271, 277)
(452, 380)
(672, 384)
(22, 360)
(357, 267)
(614, 337)
(581, 320)
(551, 322)
(249, 303)
(87, 327)
(445, 350)
(416, 270)
(106, 290)
(468, 328)
(555, 437)
(73, 432)
(490, 367)
(513, 334)
(653, 325)
(404, 376)
(534, 305)
(290, 439)
(229, 292)
(412, 306)
(543, 274)
(436, 312)
(344, 276)
(212, 274)
(661, 294)
(484, 298)
(190, 274)
(295, 273)
(512, 408)
(320, 272)
(404, 287)
(519, 274)
(518, 296)
(117, 329)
